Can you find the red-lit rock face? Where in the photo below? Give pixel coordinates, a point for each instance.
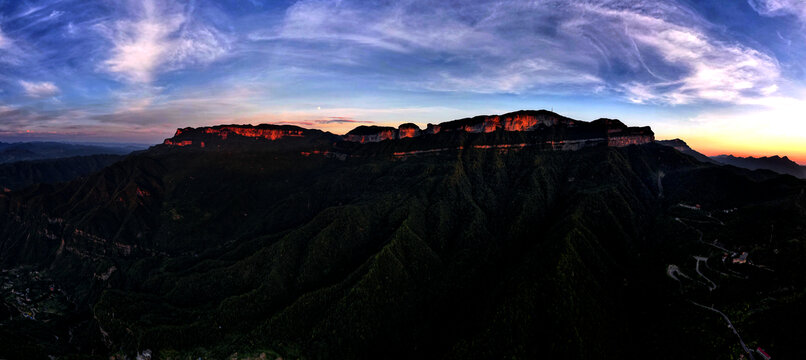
(408, 132)
(376, 137)
(223, 132)
(491, 124)
(515, 122)
(178, 143)
(270, 134)
(526, 123)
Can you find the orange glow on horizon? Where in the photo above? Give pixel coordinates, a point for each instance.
(792, 148)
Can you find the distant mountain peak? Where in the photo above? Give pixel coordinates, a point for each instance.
(682, 146)
(781, 165)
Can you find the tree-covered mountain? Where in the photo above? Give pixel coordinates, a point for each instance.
(450, 245)
(24, 151)
(17, 175)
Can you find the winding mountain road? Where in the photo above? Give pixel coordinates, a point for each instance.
(699, 259)
(730, 325)
(673, 270)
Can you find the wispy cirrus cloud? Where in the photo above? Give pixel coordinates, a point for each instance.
(38, 89)
(780, 7)
(340, 120)
(697, 66)
(329, 121)
(659, 52)
(9, 51)
(157, 37)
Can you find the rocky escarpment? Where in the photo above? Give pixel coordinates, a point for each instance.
(563, 133)
(545, 127)
(365, 134)
(203, 135)
(524, 120)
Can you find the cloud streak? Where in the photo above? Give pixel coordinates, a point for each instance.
(780, 7)
(39, 89)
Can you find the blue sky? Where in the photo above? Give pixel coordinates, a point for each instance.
(727, 76)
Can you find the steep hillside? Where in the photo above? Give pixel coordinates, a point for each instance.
(305, 247)
(682, 147)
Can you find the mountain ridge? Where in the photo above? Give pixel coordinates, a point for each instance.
(41, 150)
(551, 126)
(781, 165)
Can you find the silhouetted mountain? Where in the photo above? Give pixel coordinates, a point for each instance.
(781, 165)
(682, 147)
(20, 174)
(11, 152)
(452, 244)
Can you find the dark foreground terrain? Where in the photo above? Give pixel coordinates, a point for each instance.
(300, 248)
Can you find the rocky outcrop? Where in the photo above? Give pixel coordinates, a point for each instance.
(560, 132)
(609, 131)
(366, 134)
(200, 137)
(515, 121)
(408, 130)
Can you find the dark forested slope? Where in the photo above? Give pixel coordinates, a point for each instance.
(469, 252)
(17, 175)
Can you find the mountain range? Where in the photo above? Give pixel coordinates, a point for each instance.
(524, 235)
(17, 175)
(781, 165)
(23, 151)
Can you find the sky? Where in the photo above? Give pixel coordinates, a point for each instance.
(726, 76)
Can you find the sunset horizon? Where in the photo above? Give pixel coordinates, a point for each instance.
(134, 71)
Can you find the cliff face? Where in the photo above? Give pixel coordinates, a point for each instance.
(365, 134)
(203, 136)
(516, 121)
(555, 131)
(610, 131)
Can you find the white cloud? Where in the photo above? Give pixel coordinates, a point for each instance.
(780, 7)
(39, 89)
(709, 69)
(162, 36)
(514, 77)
